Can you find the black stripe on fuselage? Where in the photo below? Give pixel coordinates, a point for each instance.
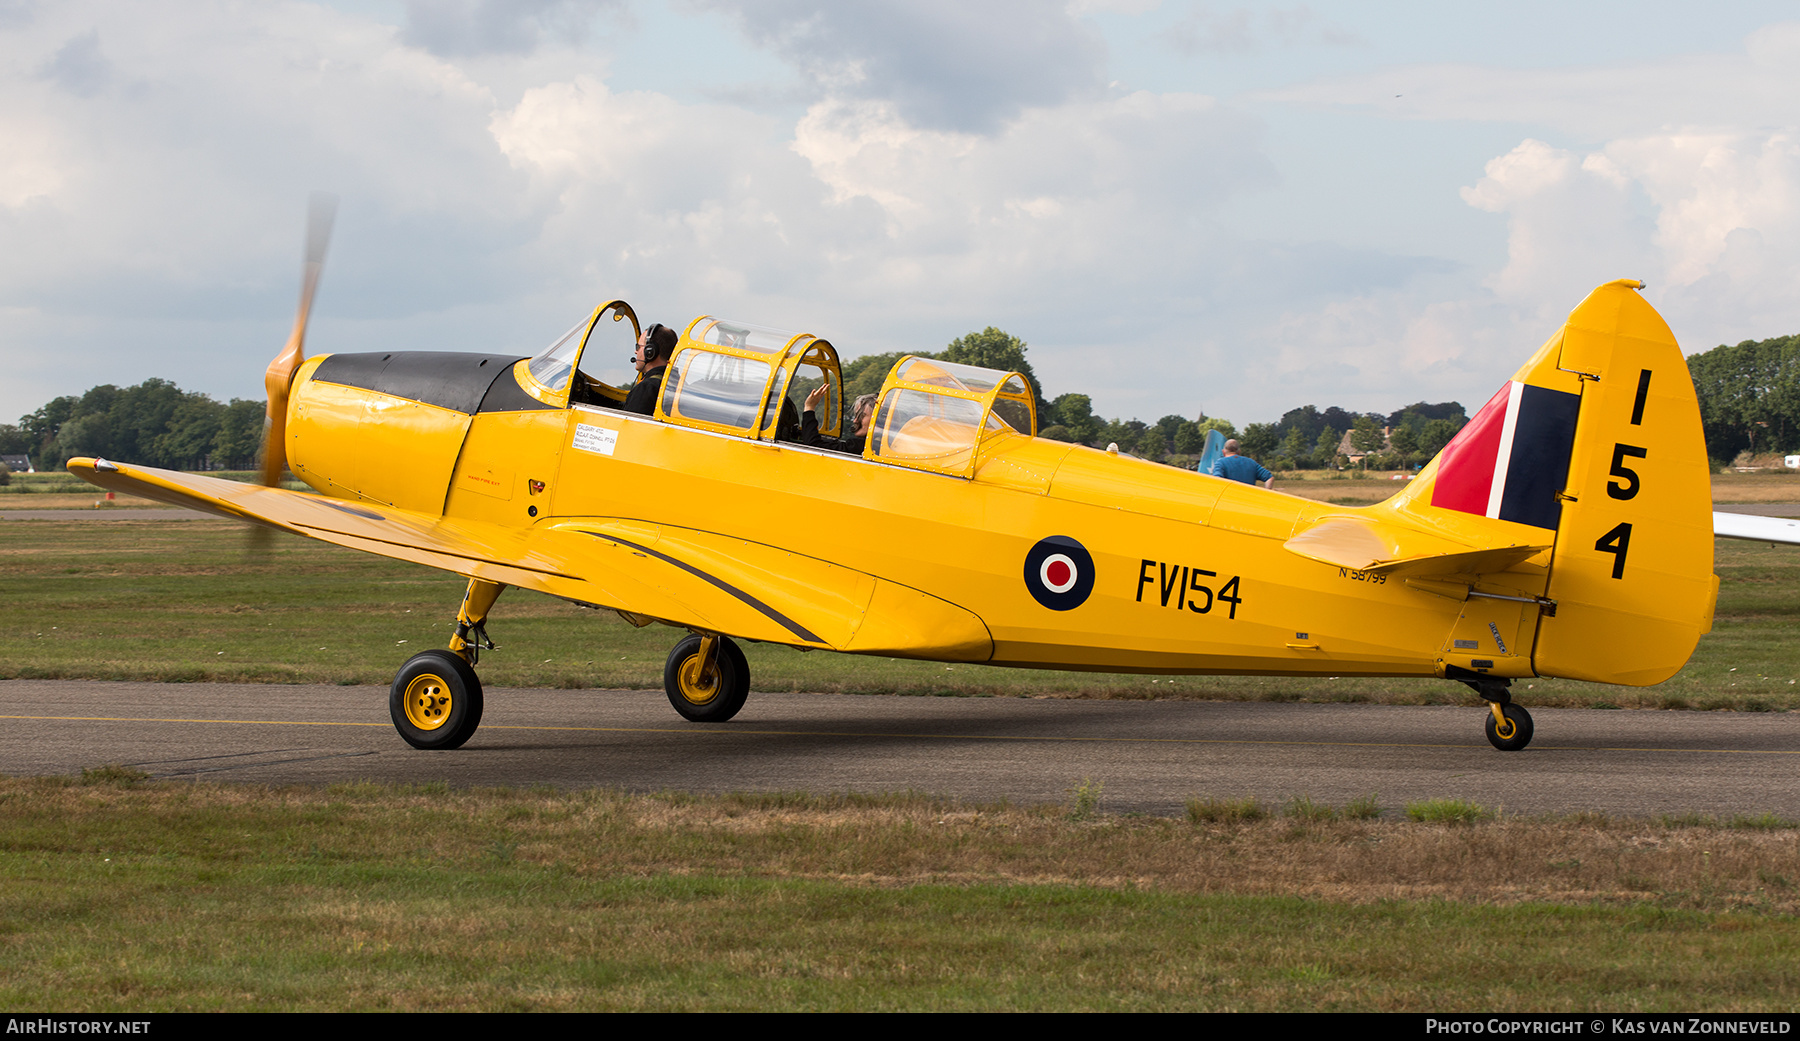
(787, 623)
(461, 382)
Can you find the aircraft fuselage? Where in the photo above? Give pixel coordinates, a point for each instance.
(1169, 570)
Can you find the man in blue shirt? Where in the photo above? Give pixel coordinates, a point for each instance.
(1242, 468)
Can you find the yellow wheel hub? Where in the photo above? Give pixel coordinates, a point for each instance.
(1503, 727)
(428, 702)
(699, 680)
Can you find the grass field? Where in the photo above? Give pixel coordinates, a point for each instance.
(122, 895)
(192, 601)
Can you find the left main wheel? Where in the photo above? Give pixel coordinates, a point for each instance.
(707, 691)
(435, 701)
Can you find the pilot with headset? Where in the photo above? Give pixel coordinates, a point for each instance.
(650, 359)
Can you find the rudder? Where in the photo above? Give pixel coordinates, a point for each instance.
(1632, 572)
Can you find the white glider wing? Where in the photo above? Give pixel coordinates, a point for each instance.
(1757, 529)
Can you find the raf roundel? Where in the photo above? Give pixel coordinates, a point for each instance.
(1060, 573)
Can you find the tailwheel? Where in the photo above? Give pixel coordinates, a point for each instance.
(1508, 726)
(435, 701)
(707, 678)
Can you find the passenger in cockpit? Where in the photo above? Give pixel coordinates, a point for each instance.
(651, 359)
(861, 412)
(789, 426)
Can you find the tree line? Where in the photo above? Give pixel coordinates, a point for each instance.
(1749, 397)
(1304, 438)
(157, 423)
(1749, 402)
(154, 423)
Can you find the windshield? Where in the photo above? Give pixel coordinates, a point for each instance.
(551, 368)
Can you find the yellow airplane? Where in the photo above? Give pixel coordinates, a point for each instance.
(1565, 531)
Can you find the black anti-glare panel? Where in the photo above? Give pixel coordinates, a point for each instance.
(507, 396)
(441, 378)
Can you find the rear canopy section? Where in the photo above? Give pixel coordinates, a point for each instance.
(939, 415)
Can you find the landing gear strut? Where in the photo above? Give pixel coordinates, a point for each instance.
(435, 700)
(1508, 726)
(707, 678)
(471, 637)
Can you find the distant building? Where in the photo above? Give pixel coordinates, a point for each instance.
(1348, 450)
(19, 464)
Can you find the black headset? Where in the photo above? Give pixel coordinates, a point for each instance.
(651, 351)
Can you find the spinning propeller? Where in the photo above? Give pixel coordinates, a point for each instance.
(321, 210)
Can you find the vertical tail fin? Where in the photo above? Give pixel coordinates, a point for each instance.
(1598, 438)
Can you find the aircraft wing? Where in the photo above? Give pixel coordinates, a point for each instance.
(1757, 529)
(682, 576)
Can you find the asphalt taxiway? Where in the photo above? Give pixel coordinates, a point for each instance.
(1148, 756)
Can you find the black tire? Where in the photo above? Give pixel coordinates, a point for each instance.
(697, 700)
(1521, 729)
(435, 701)
(743, 671)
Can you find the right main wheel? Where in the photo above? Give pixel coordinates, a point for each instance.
(707, 691)
(435, 701)
(1517, 735)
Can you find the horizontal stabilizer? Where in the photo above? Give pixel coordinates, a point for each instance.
(1469, 562)
(1390, 549)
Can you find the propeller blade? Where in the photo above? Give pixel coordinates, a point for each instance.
(321, 211)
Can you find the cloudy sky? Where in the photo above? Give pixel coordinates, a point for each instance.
(1181, 206)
